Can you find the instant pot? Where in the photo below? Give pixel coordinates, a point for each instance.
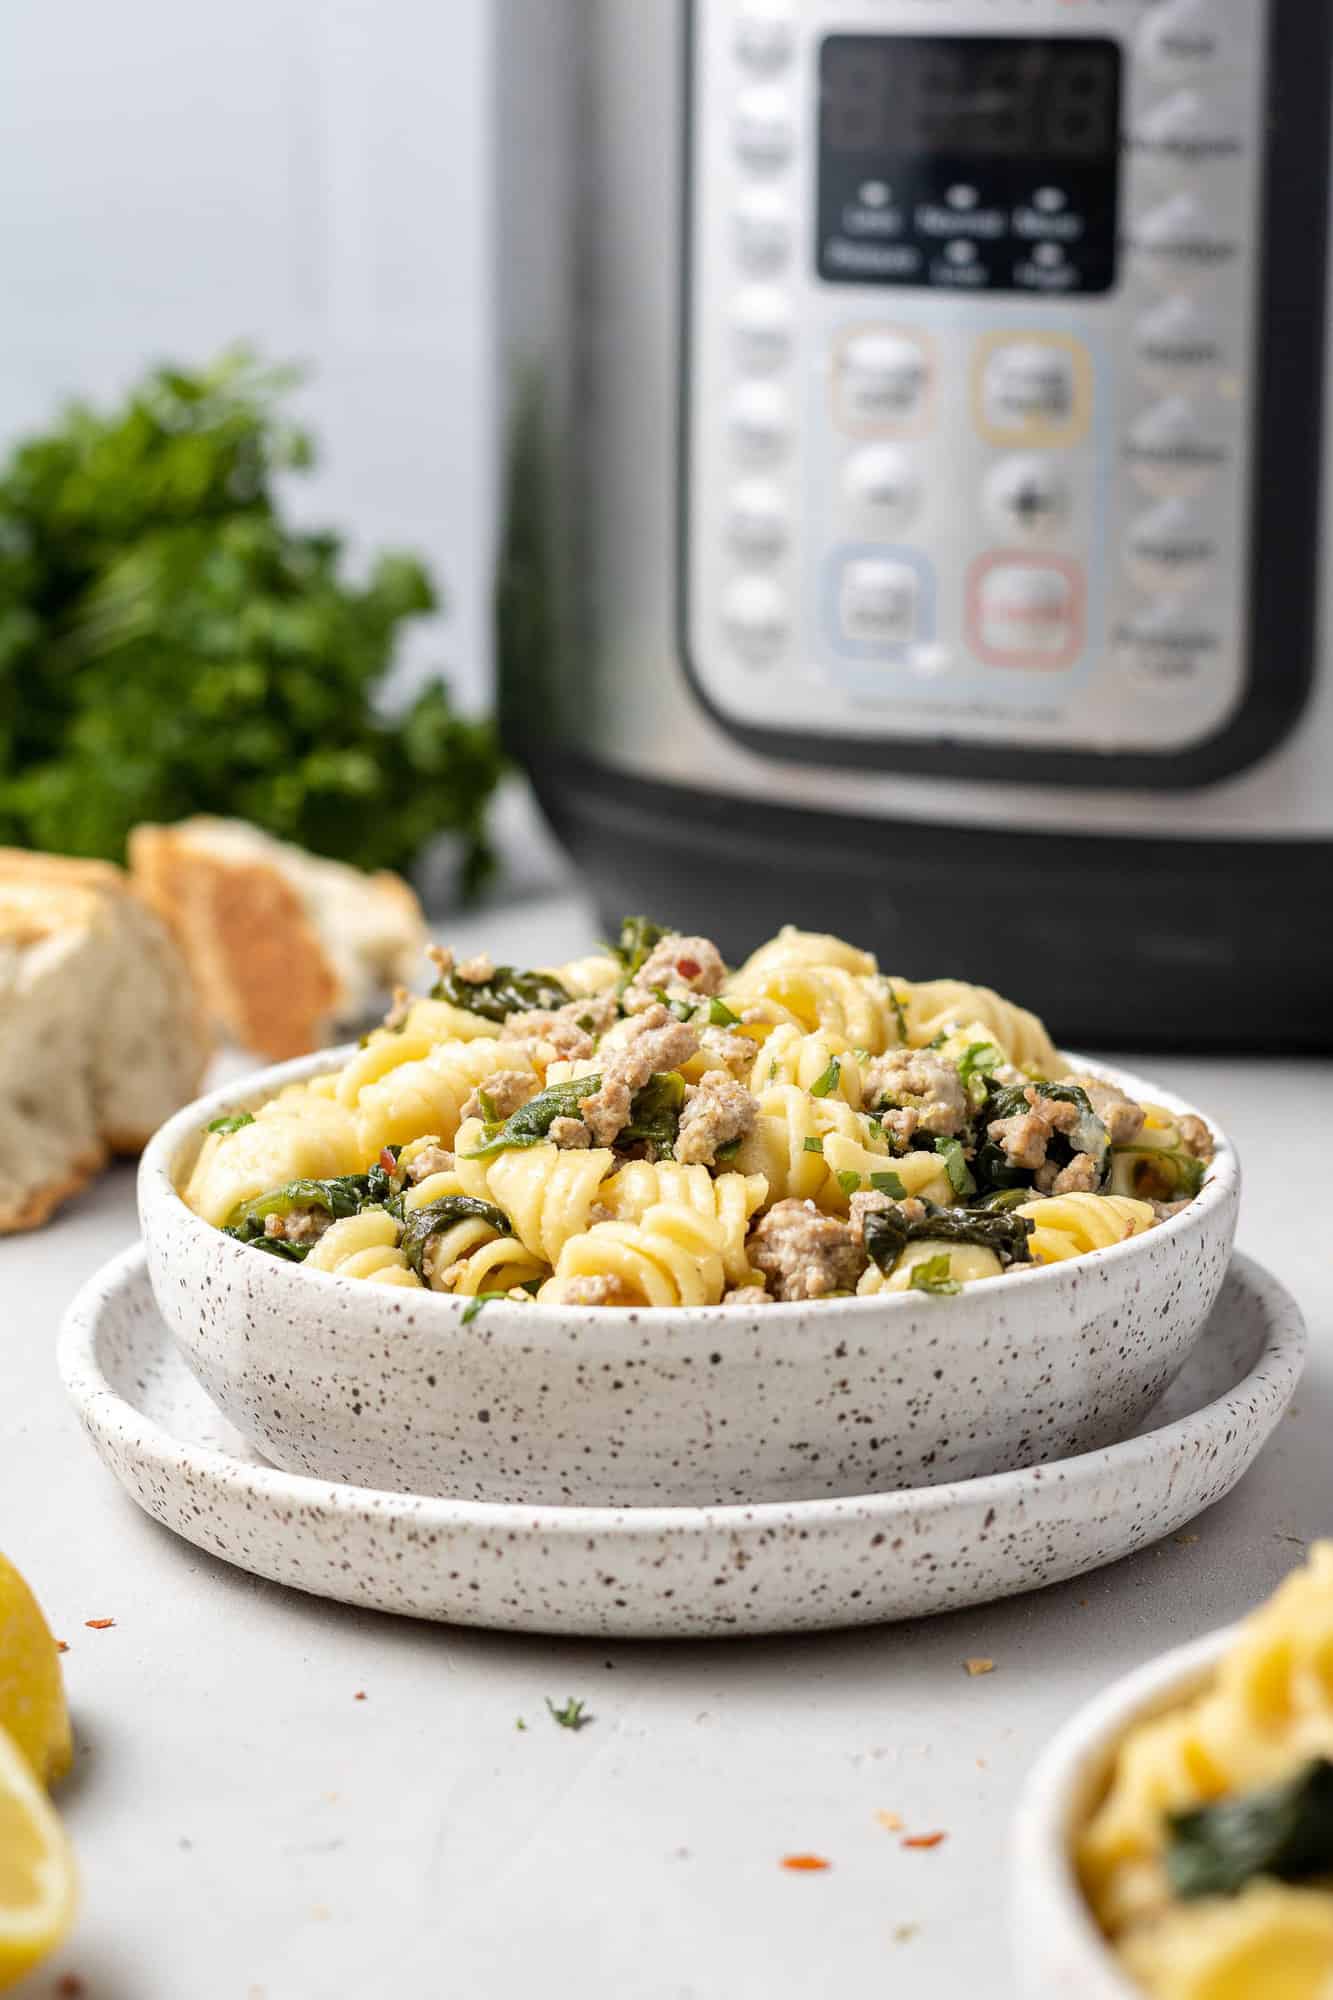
(914, 451)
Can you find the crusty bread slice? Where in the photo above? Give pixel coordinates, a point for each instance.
(145, 1036)
(286, 946)
(56, 956)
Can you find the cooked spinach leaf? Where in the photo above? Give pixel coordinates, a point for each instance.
(654, 1118)
(345, 1195)
(1155, 1173)
(721, 1016)
(994, 1168)
(1284, 1830)
(506, 992)
(638, 940)
(888, 1232)
(890, 1184)
(420, 1224)
(976, 1066)
(529, 1125)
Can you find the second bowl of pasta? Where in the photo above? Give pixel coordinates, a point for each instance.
(643, 1229)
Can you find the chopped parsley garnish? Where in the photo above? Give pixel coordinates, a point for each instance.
(572, 1716)
(812, 1145)
(932, 1275)
(955, 1166)
(828, 1082)
(725, 1154)
(639, 938)
(900, 1011)
(721, 1016)
(890, 1184)
(237, 1121)
(977, 1064)
(848, 1181)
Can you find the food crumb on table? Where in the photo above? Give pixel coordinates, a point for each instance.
(923, 1839)
(892, 1822)
(805, 1864)
(99, 1624)
(979, 1666)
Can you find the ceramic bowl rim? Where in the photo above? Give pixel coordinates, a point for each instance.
(1273, 1374)
(157, 1190)
(1044, 1885)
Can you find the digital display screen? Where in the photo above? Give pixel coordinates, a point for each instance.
(1059, 100)
(1020, 133)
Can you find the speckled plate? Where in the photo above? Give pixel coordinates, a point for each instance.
(673, 1571)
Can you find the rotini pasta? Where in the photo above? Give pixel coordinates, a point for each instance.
(939, 1006)
(1250, 1922)
(729, 1200)
(1070, 1225)
(364, 1246)
(644, 1126)
(671, 1257)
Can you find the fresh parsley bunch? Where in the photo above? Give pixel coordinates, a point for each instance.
(170, 645)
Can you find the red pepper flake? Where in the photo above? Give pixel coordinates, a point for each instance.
(62, 1645)
(360, 1695)
(99, 1624)
(387, 1161)
(69, 1986)
(805, 1864)
(923, 1839)
(688, 968)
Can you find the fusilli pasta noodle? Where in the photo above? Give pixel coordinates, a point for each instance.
(366, 1247)
(652, 1128)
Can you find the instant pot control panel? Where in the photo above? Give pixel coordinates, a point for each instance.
(975, 307)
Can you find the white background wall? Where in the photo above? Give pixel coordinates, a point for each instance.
(308, 174)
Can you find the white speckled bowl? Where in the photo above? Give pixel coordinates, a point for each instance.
(392, 1389)
(1059, 1953)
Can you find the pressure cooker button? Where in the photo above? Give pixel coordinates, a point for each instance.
(1026, 614)
(1179, 235)
(765, 37)
(765, 134)
(1187, 128)
(1165, 651)
(762, 329)
(1182, 36)
(757, 521)
(880, 380)
(760, 421)
(1026, 497)
(877, 602)
(1171, 453)
(1178, 344)
(763, 230)
(1170, 548)
(754, 614)
(1029, 391)
(882, 479)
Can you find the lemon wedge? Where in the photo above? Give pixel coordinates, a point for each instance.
(37, 1878)
(32, 1688)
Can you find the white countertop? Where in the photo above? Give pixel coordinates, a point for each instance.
(248, 1830)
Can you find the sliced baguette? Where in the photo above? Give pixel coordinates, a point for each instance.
(57, 952)
(286, 947)
(145, 1034)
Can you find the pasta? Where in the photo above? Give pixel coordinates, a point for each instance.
(363, 1246)
(644, 1126)
(1193, 1913)
(1070, 1225)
